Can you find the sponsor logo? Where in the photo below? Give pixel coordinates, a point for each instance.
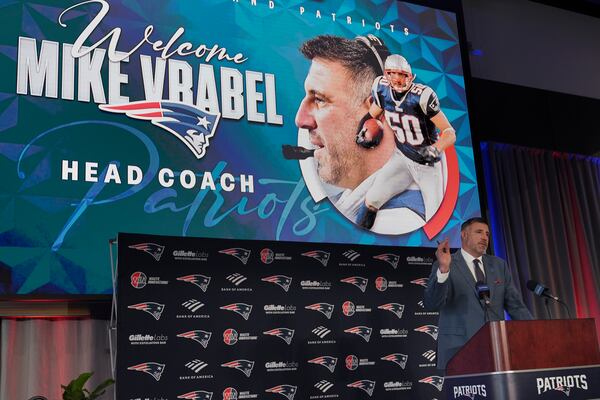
(389, 258)
(192, 126)
(321, 331)
(381, 284)
(422, 305)
(324, 308)
(151, 368)
(155, 250)
(366, 385)
(357, 281)
(193, 305)
(349, 308)
(287, 391)
(236, 279)
(315, 285)
(189, 255)
(420, 282)
(196, 365)
(352, 362)
(412, 260)
(281, 309)
(199, 280)
(431, 330)
(362, 331)
(231, 393)
(395, 308)
(284, 334)
(564, 383)
(470, 391)
(397, 385)
(267, 256)
(325, 361)
(397, 358)
(351, 254)
(139, 339)
(237, 252)
(231, 336)
(319, 255)
(435, 381)
(154, 309)
(323, 386)
(281, 366)
(196, 395)
(388, 333)
(240, 308)
(244, 366)
(429, 355)
(280, 280)
(199, 336)
(138, 280)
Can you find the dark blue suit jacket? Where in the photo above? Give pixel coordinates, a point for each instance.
(461, 311)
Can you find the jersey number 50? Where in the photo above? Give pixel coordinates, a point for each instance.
(407, 128)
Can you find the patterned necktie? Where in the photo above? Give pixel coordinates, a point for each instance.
(479, 276)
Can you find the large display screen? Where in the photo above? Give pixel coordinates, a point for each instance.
(309, 121)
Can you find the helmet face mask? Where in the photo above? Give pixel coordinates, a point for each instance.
(398, 73)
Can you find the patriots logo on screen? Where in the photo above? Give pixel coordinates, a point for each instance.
(420, 282)
(244, 366)
(397, 358)
(326, 361)
(199, 336)
(431, 330)
(287, 391)
(194, 127)
(199, 280)
(324, 308)
(151, 368)
(391, 259)
(154, 309)
(362, 331)
(319, 255)
(237, 252)
(357, 281)
(396, 308)
(284, 334)
(196, 395)
(241, 308)
(436, 381)
(155, 250)
(283, 281)
(366, 385)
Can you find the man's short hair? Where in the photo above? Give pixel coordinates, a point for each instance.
(471, 221)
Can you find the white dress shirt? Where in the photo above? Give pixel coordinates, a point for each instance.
(441, 277)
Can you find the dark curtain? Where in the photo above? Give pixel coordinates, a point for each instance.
(544, 210)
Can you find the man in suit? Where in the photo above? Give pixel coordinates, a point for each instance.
(452, 289)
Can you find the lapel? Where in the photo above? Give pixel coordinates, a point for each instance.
(490, 273)
(461, 265)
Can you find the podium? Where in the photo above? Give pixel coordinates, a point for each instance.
(541, 359)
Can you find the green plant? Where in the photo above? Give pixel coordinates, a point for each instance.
(75, 389)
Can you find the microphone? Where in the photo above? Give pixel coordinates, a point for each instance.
(483, 291)
(540, 290)
(296, 152)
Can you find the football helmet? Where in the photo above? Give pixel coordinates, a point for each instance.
(397, 63)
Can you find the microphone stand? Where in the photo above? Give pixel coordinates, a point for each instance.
(547, 308)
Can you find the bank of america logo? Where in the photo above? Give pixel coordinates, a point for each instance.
(351, 255)
(366, 385)
(431, 330)
(192, 126)
(199, 280)
(421, 304)
(154, 309)
(236, 279)
(323, 386)
(193, 305)
(237, 252)
(151, 368)
(199, 336)
(196, 395)
(155, 250)
(391, 259)
(196, 365)
(429, 355)
(357, 281)
(319, 255)
(436, 381)
(321, 331)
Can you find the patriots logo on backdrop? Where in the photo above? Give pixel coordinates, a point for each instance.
(436, 381)
(397, 358)
(391, 259)
(431, 330)
(362, 331)
(151, 368)
(155, 250)
(366, 385)
(284, 334)
(324, 308)
(396, 308)
(244, 366)
(287, 391)
(420, 282)
(199, 336)
(283, 281)
(326, 361)
(237, 252)
(199, 280)
(319, 255)
(194, 127)
(357, 281)
(154, 309)
(241, 308)
(196, 395)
